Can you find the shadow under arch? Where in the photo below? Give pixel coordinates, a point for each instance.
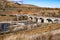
(56, 20)
(42, 20)
(49, 20)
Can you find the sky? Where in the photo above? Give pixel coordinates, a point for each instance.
(42, 3)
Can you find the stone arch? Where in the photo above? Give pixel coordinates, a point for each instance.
(42, 20)
(36, 19)
(56, 20)
(49, 20)
(31, 18)
(23, 17)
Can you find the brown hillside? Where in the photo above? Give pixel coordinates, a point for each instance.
(7, 7)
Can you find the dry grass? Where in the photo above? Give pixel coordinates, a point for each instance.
(28, 9)
(34, 34)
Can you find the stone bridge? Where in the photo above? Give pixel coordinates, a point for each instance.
(40, 19)
(26, 22)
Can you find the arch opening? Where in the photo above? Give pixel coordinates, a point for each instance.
(30, 18)
(42, 20)
(36, 19)
(56, 20)
(49, 20)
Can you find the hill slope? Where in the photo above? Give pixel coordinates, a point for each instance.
(7, 7)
